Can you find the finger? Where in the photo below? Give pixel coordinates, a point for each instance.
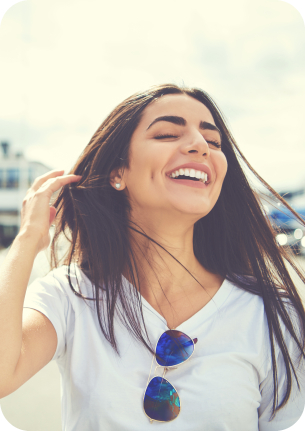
(43, 178)
(52, 185)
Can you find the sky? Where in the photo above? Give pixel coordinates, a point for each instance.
(64, 65)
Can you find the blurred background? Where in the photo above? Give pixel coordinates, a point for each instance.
(66, 64)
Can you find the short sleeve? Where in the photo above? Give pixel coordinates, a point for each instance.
(293, 410)
(47, 295)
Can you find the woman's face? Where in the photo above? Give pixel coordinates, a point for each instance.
(186, 138)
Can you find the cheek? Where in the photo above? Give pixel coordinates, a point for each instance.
(148, 164)
(138, 177)
(222, 165)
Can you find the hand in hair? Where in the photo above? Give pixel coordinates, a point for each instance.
(36, 214)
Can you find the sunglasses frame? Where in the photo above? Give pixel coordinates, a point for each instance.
(194, 340)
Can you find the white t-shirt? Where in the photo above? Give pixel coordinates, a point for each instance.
(226, 385)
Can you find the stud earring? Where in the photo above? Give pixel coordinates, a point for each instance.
(118, 185)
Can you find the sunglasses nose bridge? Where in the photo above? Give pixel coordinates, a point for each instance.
(165, 369)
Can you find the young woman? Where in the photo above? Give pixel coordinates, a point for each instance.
(173, 304)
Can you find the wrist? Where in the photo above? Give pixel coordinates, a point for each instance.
(30, 236)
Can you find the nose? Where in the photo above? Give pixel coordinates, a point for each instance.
(196, 144)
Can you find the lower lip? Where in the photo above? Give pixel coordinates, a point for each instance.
(190, 183)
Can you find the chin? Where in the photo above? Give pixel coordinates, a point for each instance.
(194, 210)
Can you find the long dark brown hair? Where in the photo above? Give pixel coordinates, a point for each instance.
(241, 241)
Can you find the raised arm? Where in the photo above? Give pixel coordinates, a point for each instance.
(27, 339)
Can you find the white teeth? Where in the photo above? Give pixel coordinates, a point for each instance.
(202, 176)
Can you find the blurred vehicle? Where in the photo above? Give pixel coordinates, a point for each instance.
(291, 231)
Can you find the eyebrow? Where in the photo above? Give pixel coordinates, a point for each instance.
(204, 125)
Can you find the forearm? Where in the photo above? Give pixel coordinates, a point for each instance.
(15, 273)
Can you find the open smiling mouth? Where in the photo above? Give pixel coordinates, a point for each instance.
(190, 181)
(190, 175)
(183, 177)
(186, 179)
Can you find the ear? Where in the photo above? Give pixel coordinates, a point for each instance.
(116, 179)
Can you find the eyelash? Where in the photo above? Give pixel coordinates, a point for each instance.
(173, 136)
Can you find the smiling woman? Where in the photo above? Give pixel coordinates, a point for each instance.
(171, 261)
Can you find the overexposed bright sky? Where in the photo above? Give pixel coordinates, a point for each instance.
(65, 64)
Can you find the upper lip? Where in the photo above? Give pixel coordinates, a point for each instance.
(193, 165)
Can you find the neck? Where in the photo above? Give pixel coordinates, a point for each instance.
(159, 268)
(174, 291)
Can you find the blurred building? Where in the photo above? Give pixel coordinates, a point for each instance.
(16, 176)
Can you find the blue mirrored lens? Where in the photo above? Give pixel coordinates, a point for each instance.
(161, 400)
(173, 348)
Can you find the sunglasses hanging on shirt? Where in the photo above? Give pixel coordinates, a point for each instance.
(161, 399)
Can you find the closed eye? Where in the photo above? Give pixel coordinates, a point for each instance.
(217, 144)
(165, 136)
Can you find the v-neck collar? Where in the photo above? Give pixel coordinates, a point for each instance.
(198, 318)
